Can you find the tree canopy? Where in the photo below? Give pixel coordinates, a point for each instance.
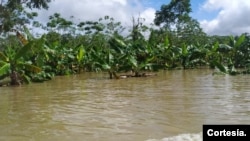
(12, 12)
(177, 11)
(174, 19)
(29, 3)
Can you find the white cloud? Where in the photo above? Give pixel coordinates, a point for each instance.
(232, 17)
(149, 15)
(83, 10)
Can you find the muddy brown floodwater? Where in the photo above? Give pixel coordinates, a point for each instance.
(91, 107)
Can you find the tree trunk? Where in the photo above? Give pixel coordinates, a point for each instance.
(15, 78)
(110, 75)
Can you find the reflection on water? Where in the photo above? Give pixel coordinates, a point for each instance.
(91, 107)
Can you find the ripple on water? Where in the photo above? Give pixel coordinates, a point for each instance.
(160, 108)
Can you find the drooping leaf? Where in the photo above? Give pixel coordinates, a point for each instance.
(5, 69)
(26, 79)
(224, 48)
(233, 71)
(150, 59)
(2, 63)
(106, 67)
(120, 42)
(3, 57)
(133, 61)
(21, 37)
(70, 56)
(220, 66)
(30, 67)
(49, 50)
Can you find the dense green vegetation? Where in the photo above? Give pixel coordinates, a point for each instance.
(68, 48)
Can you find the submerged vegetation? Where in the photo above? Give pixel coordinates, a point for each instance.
(67, 47)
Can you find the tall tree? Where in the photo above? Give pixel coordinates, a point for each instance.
(180, 26)
(176, 12)
(12, 12)
(29, 3)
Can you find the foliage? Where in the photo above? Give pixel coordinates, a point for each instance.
(14, 64)
(13, 12)
(29, 3)
(176, 12)
(68, 47)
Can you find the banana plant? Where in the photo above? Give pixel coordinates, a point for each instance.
(168, 53)
(14, 66)
(80, 54)
(214, 55)
(127, 58)
(191, 56)
(232, 55)
(184, 55)
(237, 54)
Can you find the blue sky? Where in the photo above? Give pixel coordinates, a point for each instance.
(216, 17)
(197, 12)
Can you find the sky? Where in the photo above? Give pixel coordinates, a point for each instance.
(216, 17)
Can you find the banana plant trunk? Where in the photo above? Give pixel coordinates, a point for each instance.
(15, 78)
(110, 75)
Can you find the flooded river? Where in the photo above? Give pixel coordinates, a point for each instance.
(90, 107)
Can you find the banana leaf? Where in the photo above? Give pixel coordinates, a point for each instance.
(224, 48)
(166, 42)
(133, 61)
(80, 54)
(5, 69)
(26, 79)
(30, 67)
(240, 41)
(220, 66)
(27, 32)
(106, 67)
(2, 63)
(24, 50)
(3, 57)
(120, 42)
(215, 47)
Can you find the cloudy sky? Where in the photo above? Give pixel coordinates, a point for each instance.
(216, 17)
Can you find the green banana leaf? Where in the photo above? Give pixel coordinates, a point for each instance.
(220, 66)
(106, 67)
(5, 69)
(133, 61)
(80, 54)
(30, 67)
(240, 41)
(3, 57)
(24, 50)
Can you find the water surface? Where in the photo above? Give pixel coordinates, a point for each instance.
(91, 107)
